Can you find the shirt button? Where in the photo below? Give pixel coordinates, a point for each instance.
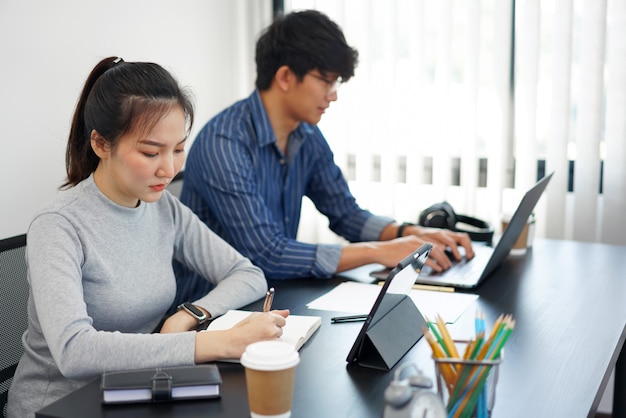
(282, 161)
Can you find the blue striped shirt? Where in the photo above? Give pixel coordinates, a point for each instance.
(240, 183)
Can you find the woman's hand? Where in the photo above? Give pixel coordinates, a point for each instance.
(231, 343)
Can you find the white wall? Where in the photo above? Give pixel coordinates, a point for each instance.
(48, 48)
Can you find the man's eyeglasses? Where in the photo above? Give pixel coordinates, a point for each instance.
(333, 85)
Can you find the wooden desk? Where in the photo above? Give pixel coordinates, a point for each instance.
(569, 301)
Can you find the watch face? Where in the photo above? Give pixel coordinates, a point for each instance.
(194, 311)
(427, 404)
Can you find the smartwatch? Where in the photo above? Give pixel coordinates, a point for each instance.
(193, 311)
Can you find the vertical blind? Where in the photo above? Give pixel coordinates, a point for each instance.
(471, 101)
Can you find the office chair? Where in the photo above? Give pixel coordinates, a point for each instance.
(13, 306)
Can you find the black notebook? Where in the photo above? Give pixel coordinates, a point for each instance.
(161, 384)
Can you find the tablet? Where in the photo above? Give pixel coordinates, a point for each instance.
(394, 324)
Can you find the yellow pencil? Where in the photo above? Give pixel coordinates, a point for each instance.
(433, 288)
(469, 348)
(496, 326)
(447, 371)
(445, 335)
(427, 287)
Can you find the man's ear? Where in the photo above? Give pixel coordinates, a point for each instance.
(284, 78)
(100, 146)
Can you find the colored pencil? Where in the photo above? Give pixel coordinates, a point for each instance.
(466, 377)
(447, 339)
(433, 329)
(447, 371)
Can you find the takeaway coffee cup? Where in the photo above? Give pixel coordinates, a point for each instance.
(525, 239)
(270, 374)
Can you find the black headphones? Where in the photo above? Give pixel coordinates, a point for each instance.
(441, 215)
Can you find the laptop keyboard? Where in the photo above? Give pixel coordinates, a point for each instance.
(464, 268)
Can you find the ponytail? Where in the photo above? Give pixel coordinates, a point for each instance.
(80, 159)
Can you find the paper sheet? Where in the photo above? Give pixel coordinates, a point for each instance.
(358, 298)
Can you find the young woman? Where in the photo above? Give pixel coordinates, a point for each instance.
(100, 255)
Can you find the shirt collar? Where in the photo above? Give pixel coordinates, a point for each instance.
(263, 127)
(261, 120)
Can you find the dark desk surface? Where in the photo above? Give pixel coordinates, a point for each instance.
(569, 301)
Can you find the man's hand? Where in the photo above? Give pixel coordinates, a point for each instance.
(444, 239)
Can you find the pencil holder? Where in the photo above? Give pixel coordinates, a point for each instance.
(467, 387)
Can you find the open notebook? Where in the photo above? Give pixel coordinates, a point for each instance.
(296, 332)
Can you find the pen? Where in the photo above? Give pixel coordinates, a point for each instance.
(428, 287)
(269, 297)
(434, 288)
(349, 318)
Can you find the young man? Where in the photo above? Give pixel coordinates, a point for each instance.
(250, 166)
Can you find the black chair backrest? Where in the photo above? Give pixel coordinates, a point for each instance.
(176, 186)
(13, 310)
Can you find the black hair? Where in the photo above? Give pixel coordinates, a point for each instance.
(119, 97)
(303, 41)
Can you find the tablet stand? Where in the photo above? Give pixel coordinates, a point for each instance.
(391, 334)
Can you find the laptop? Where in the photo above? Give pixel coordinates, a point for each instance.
(394, 324)
(468, 274)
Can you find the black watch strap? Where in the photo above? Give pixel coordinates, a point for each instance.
(193, 310)
(402, 227)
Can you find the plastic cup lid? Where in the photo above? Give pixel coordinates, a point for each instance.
(270, 355)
